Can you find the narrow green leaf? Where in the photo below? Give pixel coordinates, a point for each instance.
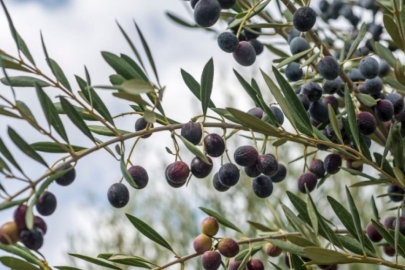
(255, 11)
(134, 98)
(384, 53)
(298, 110)
(26, 113)
(386, 166)
(327, 256)
(222, 220)
(135, 66)
(136, 87)
(276, 51)
(392, 28)
(148, 52)
(181, 22)
(11, 64)
(297, 263)
(23, 81)
(16, 263)
(249, 89)
(66, 268)
(121, 66)
(312, 214)
(135, 51)
(148, 231)
(83, 114)
(398, 146)
(367, 100)
(60, 76)
(6, 153)
(194, 86)
(399, 72)
(3, 165)
(75, 117)
(50, 112)
(22, 252)
(129, 260)
(5, 111)
(300, 241)
(299, 225)
(25, 147)
(126, 174)
(207, 79)
(293, 58)
(193, 149)
(351, 117)
(95, 100)
(253, 122)
(116, 79)
(310, 60)
(6, 205)
(260, 226)
(21, 46)
(334, 122)
(362, 33)
(102, 130)
(51, 147)
(95, 261)
(375, 208)
(355, 216)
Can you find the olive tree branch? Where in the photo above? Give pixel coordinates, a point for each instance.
(291, 137)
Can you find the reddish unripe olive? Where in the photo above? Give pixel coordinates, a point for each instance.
(177, 172)
(401, 225)
(272, 250)
(211, 260)
(139, 175)
(19, 216)
(228, 247)
(210, 226)
(307, 179)
(387, 223)
(366, 123)
(202, 243)
(384, 110)
(214, 145)
(389, 250)
(234, 265)
(372, 233)
(255, 264)
(245, 54)
(40, 224)
(9, 233)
